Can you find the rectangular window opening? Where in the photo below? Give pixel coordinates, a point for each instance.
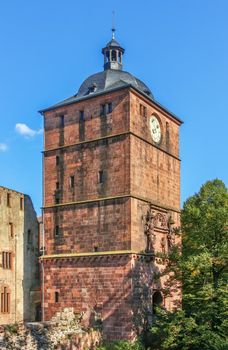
(57, 185)
(81, 116)
(11, 229)
(5, 300)
(72, 181)
(7, 260)
(29, 236)
(2, 302)
(21, 203)
(110, 107)
(57, 231)
(9, 200)
(57, 160)
(56, 297)
(103, 109)
(62, 121)
(144, 111)
(101, 176)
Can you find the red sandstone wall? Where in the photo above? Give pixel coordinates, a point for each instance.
(95, 125)
(105, 225)
(154, 165)
(154, 174)
(84, 163)
(140, 124)
(102, 284)
(118, 288)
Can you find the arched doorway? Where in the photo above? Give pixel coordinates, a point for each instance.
(157, 300)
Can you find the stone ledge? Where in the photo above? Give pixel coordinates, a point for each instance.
(123, 196)
(98, 254)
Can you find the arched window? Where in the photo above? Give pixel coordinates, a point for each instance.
(107, 56)
(157, 300)
(119, 57)
(5, 300)
(113, 55)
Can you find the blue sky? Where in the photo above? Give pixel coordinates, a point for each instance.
(178, 48)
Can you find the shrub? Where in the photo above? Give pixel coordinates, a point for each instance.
(122, 345)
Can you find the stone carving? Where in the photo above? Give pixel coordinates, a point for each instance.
(149, 229)
(160, 220)
(171, 233)
(163, 244)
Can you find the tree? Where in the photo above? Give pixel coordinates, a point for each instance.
(202, 266)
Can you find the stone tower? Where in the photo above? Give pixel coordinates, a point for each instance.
(111, 198)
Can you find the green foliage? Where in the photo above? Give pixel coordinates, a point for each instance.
(204, 263)
(12, 328)
(202, 270)
(177, 331)
(122, 345)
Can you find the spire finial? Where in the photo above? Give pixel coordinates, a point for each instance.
(113, 24)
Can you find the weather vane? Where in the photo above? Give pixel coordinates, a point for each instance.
(113, 24)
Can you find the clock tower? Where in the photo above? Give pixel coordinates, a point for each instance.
(111, 200)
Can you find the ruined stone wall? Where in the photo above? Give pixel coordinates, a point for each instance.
(31, 278)
(63, 332)
(12, 241)
(17, 217)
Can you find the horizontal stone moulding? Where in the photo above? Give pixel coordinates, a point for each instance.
(106, 254)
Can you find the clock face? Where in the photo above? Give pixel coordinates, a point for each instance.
(155, 129)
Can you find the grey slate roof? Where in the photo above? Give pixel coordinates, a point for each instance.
(106, 80)
(109, 79)
(113, 43)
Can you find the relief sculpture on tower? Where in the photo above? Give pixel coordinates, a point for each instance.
(149, 230)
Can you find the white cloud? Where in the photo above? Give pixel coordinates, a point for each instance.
(26, 131)
(3, 147)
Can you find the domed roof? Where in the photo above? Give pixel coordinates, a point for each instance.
(113, 43)
(110, 79)
(113, 77)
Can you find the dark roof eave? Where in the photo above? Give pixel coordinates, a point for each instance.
(84, 98)
(42, 111)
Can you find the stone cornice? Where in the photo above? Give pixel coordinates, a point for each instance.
(108, 137)
(96, 254)
(147, 200)
(87, 141)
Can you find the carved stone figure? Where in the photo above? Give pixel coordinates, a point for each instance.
(171, 233)
(163, 244)
(149, 230)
